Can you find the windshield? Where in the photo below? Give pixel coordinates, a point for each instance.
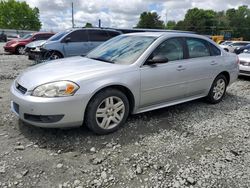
(123, 49)
(58, 36)
(27, 36)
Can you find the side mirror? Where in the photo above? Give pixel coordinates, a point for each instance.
(67, 39)
(157, 59)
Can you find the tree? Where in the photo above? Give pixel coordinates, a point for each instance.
(18, 15)
(200, 21)
(88, 25)
(171, 24)
(150, 20)
(239, 21)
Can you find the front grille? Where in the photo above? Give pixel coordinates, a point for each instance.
(20, 88)
(244, 72)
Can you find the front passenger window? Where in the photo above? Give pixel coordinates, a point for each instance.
(171, 49)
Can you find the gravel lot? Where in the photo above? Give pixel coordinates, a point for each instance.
(189, 145)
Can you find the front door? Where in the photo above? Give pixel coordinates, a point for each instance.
(77, 43)
(165, 82)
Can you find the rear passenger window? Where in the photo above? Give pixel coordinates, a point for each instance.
(214, 50)
(78, 36)
(98, 36)
(197, 48)
(171, 49)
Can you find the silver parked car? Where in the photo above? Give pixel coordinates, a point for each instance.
(245, 63)
(130, 73)
(75, 42)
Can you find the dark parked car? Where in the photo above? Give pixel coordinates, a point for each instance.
(3, 37)
(241, 49)
(17, 45)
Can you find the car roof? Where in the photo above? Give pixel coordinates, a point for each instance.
(43, 33)
(94, 28)
(166, 34)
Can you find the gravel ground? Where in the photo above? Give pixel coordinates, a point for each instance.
(189, 145)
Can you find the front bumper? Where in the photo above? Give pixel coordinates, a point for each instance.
(58, 112)
(244, 70)
(9, 49)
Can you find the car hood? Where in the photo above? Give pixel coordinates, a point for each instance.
(74, 69)
(244, 57)
(35, 44)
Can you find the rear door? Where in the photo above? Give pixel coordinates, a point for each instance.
(76, 43)
(202, 66)
(97, 37)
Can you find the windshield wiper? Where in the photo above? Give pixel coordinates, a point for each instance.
(100, 59)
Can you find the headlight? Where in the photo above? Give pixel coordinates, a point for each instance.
(56, 89)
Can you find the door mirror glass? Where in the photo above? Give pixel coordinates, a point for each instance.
(157, 59)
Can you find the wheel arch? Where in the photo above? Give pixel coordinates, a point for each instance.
(57, 51)
(227, 75)
(120, 87)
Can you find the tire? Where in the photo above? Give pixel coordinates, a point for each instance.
(20, 50)
(101, 116)
(217, 90)
(52, 55)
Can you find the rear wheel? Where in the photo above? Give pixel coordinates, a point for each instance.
(218, 89)
(107, 111)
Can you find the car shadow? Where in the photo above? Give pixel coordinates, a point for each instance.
(137, 126)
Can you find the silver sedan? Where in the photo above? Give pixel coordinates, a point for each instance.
(245, 63)
(128, 74)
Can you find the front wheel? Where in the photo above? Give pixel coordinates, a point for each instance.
(218, 89)
(107, 111)
(20, 50)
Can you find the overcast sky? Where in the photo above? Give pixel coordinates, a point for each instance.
(56, 14)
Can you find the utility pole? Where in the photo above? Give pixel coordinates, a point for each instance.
(99, 23)
(73, 24)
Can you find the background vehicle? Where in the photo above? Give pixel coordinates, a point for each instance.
(244, 66)
(242, 49)
(235, 44)
(3, 37)
(17, 45)
(75, 42)
(130, 73)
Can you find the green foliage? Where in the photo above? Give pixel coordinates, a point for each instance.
(233, 21)
(18, 15)
(199, 20)
(171, 24)
(150, 20)
(88, 25)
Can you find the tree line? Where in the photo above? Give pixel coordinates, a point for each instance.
(232, 22)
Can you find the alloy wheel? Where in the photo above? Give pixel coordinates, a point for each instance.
(219, 89)
(110, 112)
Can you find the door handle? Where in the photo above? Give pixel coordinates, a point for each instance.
(213, 63)
(180, 68)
